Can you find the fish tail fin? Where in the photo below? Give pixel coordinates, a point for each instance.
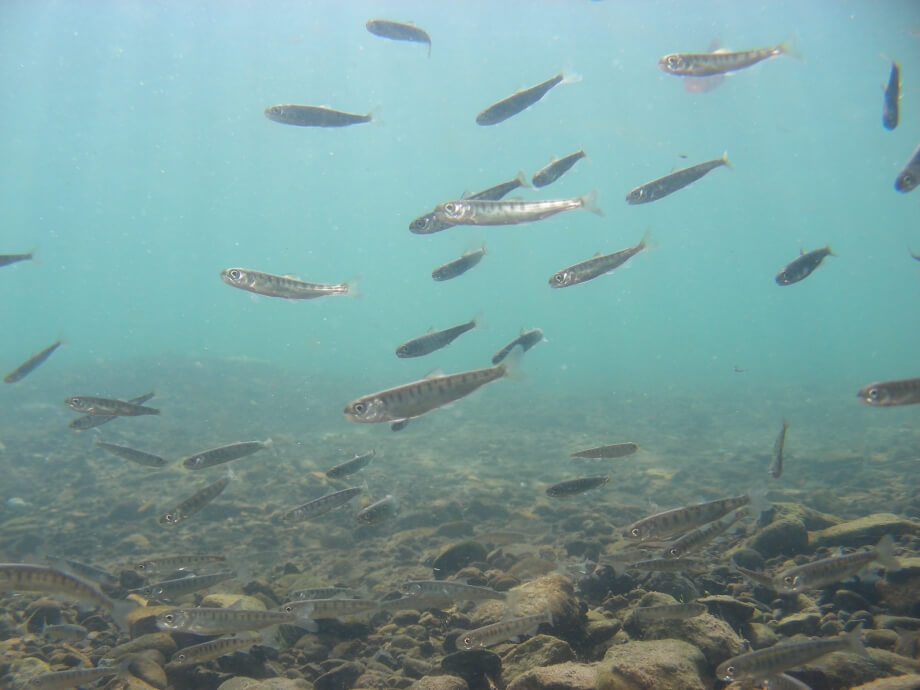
(758, 503)
(830, 251)
(790, 47)
(352, 287)
(885, 551)
(511, 365)
(32, 255)
(522, 180)
(548, 615)
(727, 163)
(120, 610)
(478, 322)
(569, 76)
(589, 203)
(646, 242)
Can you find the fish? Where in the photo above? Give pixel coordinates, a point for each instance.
(474, 212)
(314, 116)
(218, 621)
(24, 577)
(324, 593)
(520, 100)
(194, 503)
(384, 509)
(596, 266)
(573, 487)
(702, 535)
(213, 649)
(556, 169)
(758, 578)
(830, 570)
(705, 84)
(64, 632)
(399, 425)
(57, 680)
(776, 467)
(916, 257)
(83, 570)
(784, 682)
(616, 450)
(420, 397)
(169, 564)
(429, 223)
(107, 407)
(909, 176)
(525, 341)
(32, 363)
(90, 421)
(138, 456)
(670, 183)
(320, 506)
(802, 266)
(356, 464)
(649, 614)
(222, 454)
(399, 31)
(433, 340)
(668, 565)
(458, 267)
(455, 591)
(771, 661)
(7, 259)
(891, 393)
(499, 632)
(314, 609)
(892, 96)
(708, 64)
(285, 287)
(678, 520)
(169, 590)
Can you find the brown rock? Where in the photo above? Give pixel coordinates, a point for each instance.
(642, 665)
(866, 531)
(540, 650)
(567, 676)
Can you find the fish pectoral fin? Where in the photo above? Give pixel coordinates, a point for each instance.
(433, 374)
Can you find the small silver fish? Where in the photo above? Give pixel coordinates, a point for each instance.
(702, 535)
(218, 621)
(32, 363)
(776, 467)
(616, 450)
(721, 62)
(272, 285)
(91, 421)
(802, 266)
(64, 632)
(459, 266)
(829, 570)
(594, 267)
(892, 98)
(83, 570)
(399, 31)
(314, 116)
(556, 169)
(194, 503)
(520, 100)
(891, 393)
(320, 506)
(384, 509)
(107, 407)
(349, 467)
(73, 677)
(473, 212)
(324, 593)
(433, 340)
(315, 609)
(222, 454)
(168, 564)
(137, 456)
(526, 340)
(573, 487)
(213, 649)
(499, 632)
(676, 520)
(663, 186)
(170, 590)
(909, 177)
(456, 591)
(7, 259)
(668, 565)
(764, 663)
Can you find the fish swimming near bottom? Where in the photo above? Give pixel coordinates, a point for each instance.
(596, 266)
(91, 421)
(526, 340)
(225, 453)
(662, 186)
(32, 363)
(771, 661)
(107, 407)
(776, 467)
(165, 564)
(218, 621)
(802, 266)
(137, 456)
(679, 520)
(573, 487)
(212, 649)
(314, 116)
(349, 467)
(194, 503)
(499, 632)
(836, 569)
(420, 397)
(82, 677)
(384, 509)
(322, 505)
(891, 393)
(616, 450)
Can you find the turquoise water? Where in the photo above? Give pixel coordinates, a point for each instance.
(137, 161)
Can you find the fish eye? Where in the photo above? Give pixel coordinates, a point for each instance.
(450, 208)
(289, 609)
(908, 179)
(168, 617)
(789, 580)
(559, 278)
(873, 394)
(420, 223)
(468, 641)
(180, 657)
(673, 61)
(634, 531)
(235, 274)
(674, 552)
(169, 517)
(358, 408)
(730, 671)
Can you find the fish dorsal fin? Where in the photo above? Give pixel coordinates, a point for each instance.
(466, 194)
(431, 328)
(291, 276)
(596, 254)
(434, 374)
(801, 251)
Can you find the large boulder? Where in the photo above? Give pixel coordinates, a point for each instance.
(641, 665)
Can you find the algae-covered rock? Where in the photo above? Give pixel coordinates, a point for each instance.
(760, 635)
(672, 664)
(567, 676)
(439, 683)
(866, 531)
(160, 641)
(803, 623)
(540, 650)
(458, 556)
(908, 682)
(901, 588)
(786, 536)
(226, 601)
(843, 670)
(243, 683)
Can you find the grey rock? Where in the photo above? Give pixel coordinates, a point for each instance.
(671, 664)
(866, 531)
(567, 676)
(540, 650)
(735, 613)
(244, 683)
(760, 635)
(786, 536)
(339, 678)
(439, 683)
(806, 623)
